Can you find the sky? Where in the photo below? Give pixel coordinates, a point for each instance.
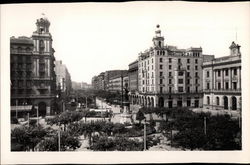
(94, 37)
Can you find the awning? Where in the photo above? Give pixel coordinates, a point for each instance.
(21, 108)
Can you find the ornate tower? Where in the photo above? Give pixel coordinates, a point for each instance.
(158, 40)
(234, 49)
(44, 82)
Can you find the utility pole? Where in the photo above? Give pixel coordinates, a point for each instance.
(28, 119)
(37, 116)
(145, 136)
(86, 102)
(59, 139)
(205, 125)
(122, 89)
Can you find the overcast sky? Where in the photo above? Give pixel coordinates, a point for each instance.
(94, 37)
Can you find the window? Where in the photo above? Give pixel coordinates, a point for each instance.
(188, 89)
(235, 72)
(160, 59)
(196, 74)
(170, 74)
(196, 81)
(180, 89)
(188, 61)
(207, 73)
(148, 62)
(234, 85)
(196, 61)
(219, 85)
(180, 81)
(152, 67)
(152, 74)
(218, 73)
(170, 66)
(179, 67)
(188, 74)
(188, 81)
(143, 82)
(170, 89)
(208, 85)
(161, 73)
(152, 60)
(208, 100)
(227, 85)
(170, 81)
(161, 89)
(160, 81)
(217, 101)
(180, 73)
(179, 60)
(160, 66)
(170, 60)
(196, 67)
(188, 67)
(226, 72)
(196, 89)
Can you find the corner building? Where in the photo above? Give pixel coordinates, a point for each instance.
(33, 79)
(222, 81)
(168, 76)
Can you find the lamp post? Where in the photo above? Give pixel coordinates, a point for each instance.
(16, 108)
(145, 136)
(59, 138)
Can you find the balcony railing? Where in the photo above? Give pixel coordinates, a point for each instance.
(223, 90)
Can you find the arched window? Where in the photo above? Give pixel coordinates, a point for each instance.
(208, 100)
(217, 101)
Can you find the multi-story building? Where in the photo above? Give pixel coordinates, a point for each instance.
(63, 78)
(101, 82)
(33, 80)
(119, 82)
(168, 76)
(222, 81)
(133, 77)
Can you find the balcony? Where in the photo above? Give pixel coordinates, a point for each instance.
(223, 90)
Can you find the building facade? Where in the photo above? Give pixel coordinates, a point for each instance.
(118, 82)
(33, 79)
(63, 78)
(133, 77)
(168, 76)
(222, 81)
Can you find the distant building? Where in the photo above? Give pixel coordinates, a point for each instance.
(81, 85)
(168, 76)
(33, 80)
(133, 77)
(222, 81)
(63, 78)
(101, 82)
(119, 82)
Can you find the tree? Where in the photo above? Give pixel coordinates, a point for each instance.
(140, 116)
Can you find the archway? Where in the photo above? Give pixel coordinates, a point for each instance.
(42, 109)
(161, 102)
(225, 102)
(234, 103)
(145, 103)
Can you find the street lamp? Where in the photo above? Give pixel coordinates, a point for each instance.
(145, 136)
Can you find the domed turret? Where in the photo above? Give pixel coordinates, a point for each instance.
(158, 40)
(42, 24)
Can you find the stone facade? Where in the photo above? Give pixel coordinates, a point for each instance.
(168, 76)
(33, 79)
(133, 77)
(222, 81)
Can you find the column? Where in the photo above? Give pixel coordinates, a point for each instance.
(239, 78)
(214, 80)
(230, 78)
(222, 79)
